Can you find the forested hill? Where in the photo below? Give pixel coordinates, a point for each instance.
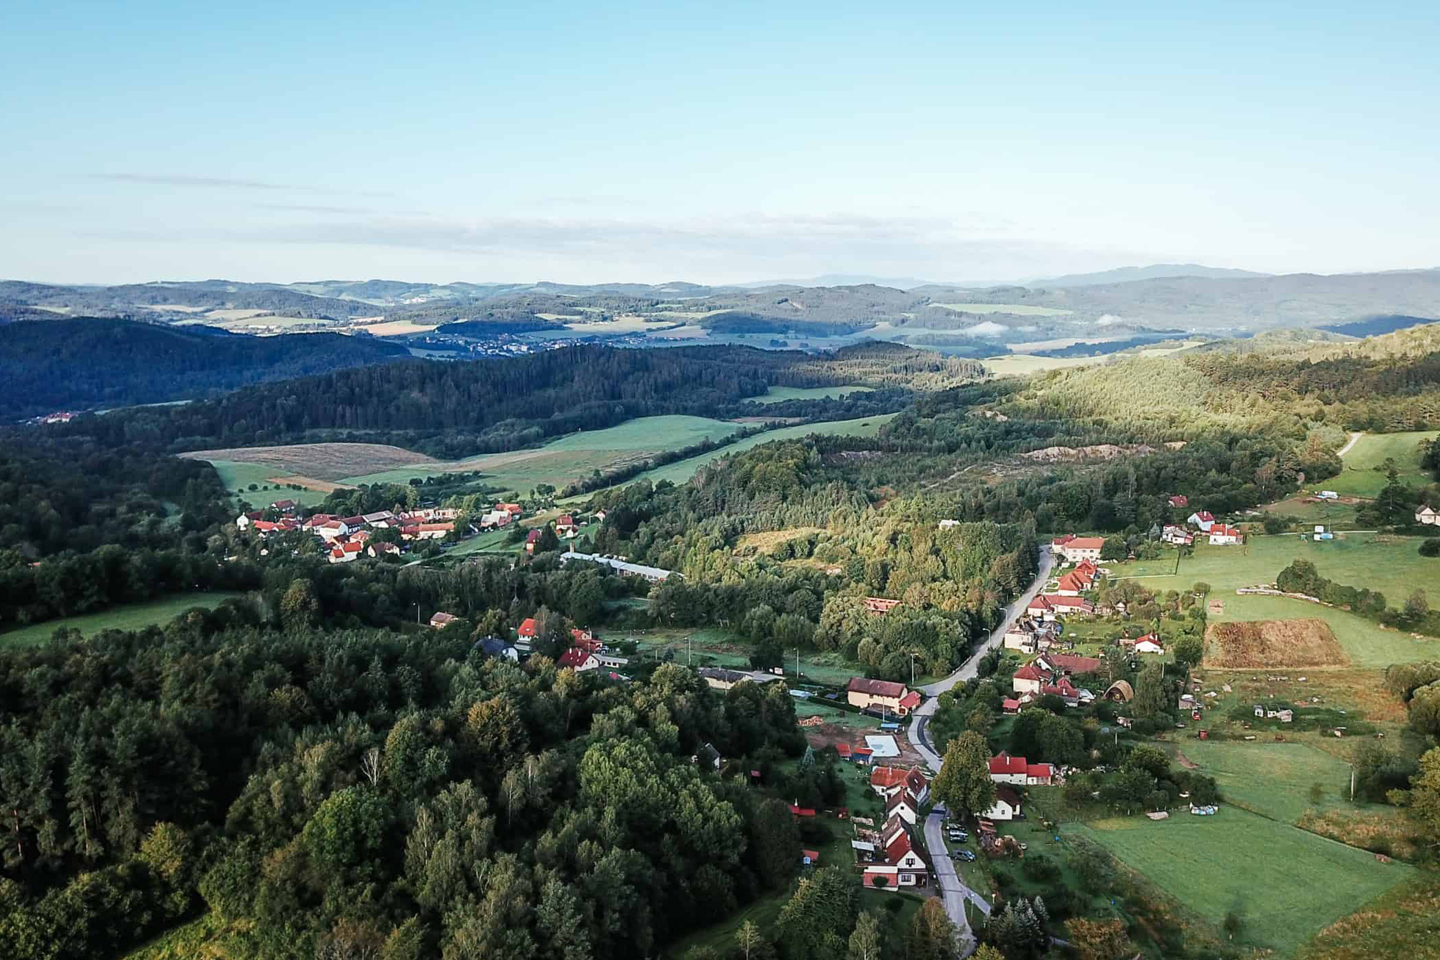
(452, 409)
(88, 362)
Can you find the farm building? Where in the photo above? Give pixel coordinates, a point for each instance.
(624, 568)
(1120, 692)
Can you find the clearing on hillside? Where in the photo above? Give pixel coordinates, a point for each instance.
(318, 461)
(1273, 643)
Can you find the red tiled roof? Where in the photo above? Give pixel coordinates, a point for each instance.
(527, 627)
(1031, 672)
(574, 657)
(802, 811)
(1205, 515)
(887, 777)
(1086, 543)
(910, 701)
(1073, 663)
(1003, 763)
(843, 749)
(1041, 771)
(1062, 541)
(812, 855)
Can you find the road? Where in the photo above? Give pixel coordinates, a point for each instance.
(1348, 444)
(953, 891)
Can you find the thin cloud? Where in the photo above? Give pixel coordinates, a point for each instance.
(225, 183)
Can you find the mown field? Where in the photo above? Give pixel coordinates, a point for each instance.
(1286, 884)
(1365, 475)
(570, 458)
(238, 478)
(135, 616)
(780, 394)
(1389, 564)
(682, 470)
(1275, 779)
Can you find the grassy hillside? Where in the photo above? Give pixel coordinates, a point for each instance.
(134, 616)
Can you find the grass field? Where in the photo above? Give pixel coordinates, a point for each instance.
(1274, 779)
(1287, 884)
(1361, 479)
(780, 394)
(682, 470)
(1367, 644)
(1020, 364)
(1391, 565)
(570, 458)
(133, 616)
(237, 478)
(1338, 516)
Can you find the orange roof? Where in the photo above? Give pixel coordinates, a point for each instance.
(527, 627)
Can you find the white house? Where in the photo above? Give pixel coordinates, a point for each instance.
(1203, 519)
(1177, 535)
(1006, 806)
(901, 804)
(1428, 516)
(1149, 644)
(1222, 535)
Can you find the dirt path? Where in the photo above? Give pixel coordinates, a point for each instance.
(1185, 761)
(1350, 443)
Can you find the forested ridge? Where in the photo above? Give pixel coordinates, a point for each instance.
(93, 362)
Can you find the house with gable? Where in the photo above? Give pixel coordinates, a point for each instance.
(1005, 807)
(1177, 535)
(898, 858)
(1203, 519)
(1427, 515)
(1224, 535)
(1180, 500)
(888, 781)
(1075, 549)
(881, 695)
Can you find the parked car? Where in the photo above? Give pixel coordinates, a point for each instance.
(967, 855)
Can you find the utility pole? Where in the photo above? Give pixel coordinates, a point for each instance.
(687, 651)
(797, 663)
(1352, 783)
(912, 669)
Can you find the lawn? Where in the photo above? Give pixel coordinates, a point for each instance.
(238, 477)
(573, 457)
(1274, 779)
(682, 470)
(816, 707)
(1361, 478)
(1286, 884)
(1337, 516)
(1389, 564)
(134, 616)
(781, 394)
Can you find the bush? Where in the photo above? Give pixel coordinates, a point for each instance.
(1431, 547)
(1040, 869)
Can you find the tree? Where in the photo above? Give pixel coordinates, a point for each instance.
(933, 935)
(1423, 802)
(1152, 697)
(981, 719)
(775, 842)
(865, 939)
(813, 922)
(1098, 939)
(299, 607)
(1417, 606)
(749, 940)
(1189, 649)
(964, 782)
(1425, 709)
(347, 833)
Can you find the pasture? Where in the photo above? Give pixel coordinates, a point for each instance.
(1022, 364)
(781, 394)
(1274, 779)
(1389, 564)
(1286, 884)
(132, 616)
(238, 478)
(1364, 473)
(321, 461)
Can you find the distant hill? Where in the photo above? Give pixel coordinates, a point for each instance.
(1156, 271)
(68, 364)
(1413, 341)
(1374, 326)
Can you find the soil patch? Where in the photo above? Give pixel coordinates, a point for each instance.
(826, 735)
(1273, 643)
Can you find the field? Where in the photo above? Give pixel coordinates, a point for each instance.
(238, 477)
(1015, 309)
(1285, 883)
(1273, 643)
(1020, 364)
(780, 394)
(682, 470)
(1404, 924)
(322, 461)
(1336, 515)
(1361, 478)
(133, 616)
(1367, 643)
(1287, 771)
(1391, 565)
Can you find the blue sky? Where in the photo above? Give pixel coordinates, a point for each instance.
(714, 142)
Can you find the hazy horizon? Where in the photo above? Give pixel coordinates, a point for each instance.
(275, 143)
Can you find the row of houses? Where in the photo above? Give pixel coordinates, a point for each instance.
(892, 857)
(1051, 675)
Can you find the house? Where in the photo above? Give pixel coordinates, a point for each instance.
(494, 519)
(901, 804)
(497, 648)
(1427, 515)
(578, 659)
(1082, 548)
(441, 620)
(623, 567)
(1021, 636)
(565, 527)
(599, 516)
(800, 811)
(1069, 663)
(1006, 806)
(346, 552)
(1203, 519)
(383, 550)
(1017, 770)
(1073, 584)
(1028, 679)
(1180, 500)
(284, 506)
(721, 679)
(1066, 691)
(887, 781)
(511, 508)
(871, 694)
(880, 605)
(245, 519)
(532, 540)
(1179, 536)
(1223, 535)
(527, 629)
(903, 862)
(1149, 643)
(380, 518)
(426, 531)
(1048, 606)
(1010, 707)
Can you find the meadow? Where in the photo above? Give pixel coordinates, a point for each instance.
(1286, 884)
(134, 616)
(1364, 473)
(1367, 643)
(781, 394)
(1022, 364)
(238, 477)
(1274, 779)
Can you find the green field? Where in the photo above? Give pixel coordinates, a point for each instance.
(134, 616)
(780, 394)
(1287, 884)
(573, 457)
(1391, 565)
(1274, 779)
(237, 477)
(841, 718)
(1338, 516)
(1366, 642)
(1360, 478)
(1020, 364)
(682, 470)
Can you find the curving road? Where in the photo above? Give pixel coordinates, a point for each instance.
(953, 890)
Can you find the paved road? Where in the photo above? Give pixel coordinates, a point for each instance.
(954, 892)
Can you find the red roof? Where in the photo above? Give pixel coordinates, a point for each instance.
(802, 811)
(1221, 530)
(843, 749)
(1031, 672)
(1062, 541)
(1009, 704)
(812, 855)
(861, 751)
(574, 657)
(898, 847)
(1003, 763)
(910, 701)
(1074, 580)
(1041, 602)
(565, 520)
(1086, 543)
(1205, 515)
(887, 777)
(1073, 663)
(1179, 500)
(1042, 771)
(533, 536)
(527, 627)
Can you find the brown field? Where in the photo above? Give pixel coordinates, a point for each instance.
(770, 539)
(1357, 829)
(1271, 644)
(320, 486)
(314, 462)
(391, 328)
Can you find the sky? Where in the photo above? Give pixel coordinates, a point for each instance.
(714, 143)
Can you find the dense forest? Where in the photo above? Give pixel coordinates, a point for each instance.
(89, 362)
